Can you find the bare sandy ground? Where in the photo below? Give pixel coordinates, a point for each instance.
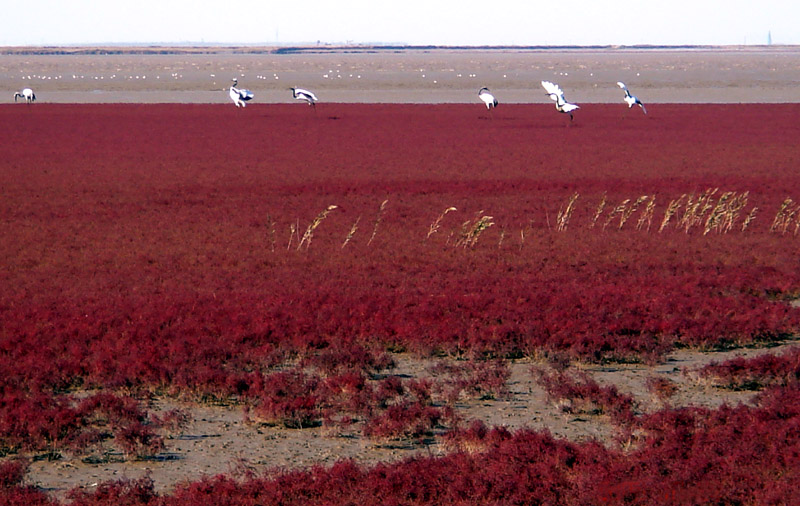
(221, 440)
(750, 74)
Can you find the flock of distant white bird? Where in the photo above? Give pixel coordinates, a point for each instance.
(240, 97)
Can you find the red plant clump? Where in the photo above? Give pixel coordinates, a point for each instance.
(578, 393)
(485, 379)
(755, 373)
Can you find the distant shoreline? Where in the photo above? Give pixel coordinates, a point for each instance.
(188, 49)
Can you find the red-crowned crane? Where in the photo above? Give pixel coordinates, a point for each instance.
(305, 95)
(557, 95)
(487, 98)
(629, 99)
(27, 94)
(238, 96)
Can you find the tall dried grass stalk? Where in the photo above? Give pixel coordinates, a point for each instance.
(351, 233)
(598, 211)
(647, 214)
(309, 234)
(717, 213)
(672, 208)
(271, 232)
(725, 213)
(294, 228)
(750, 217)
(563, 216)
(617, 210)
(471, 231)
(626, 213)
(784, 217)
(695, 209)
(735, 206)
(378, 219)
(435, 225)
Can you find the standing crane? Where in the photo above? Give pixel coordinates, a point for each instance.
(487, 98)
(238, 96)
(27, 94)
(305, 95)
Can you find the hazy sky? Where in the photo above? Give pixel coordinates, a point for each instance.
(448, 22)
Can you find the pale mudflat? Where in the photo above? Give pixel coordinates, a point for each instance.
(735, 74)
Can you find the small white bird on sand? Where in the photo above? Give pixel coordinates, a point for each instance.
(238, 96)
(27, 94)
(487, 98)
(631, 100)
(557, 95)
(301, 94)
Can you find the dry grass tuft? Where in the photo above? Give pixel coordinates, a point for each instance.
(351, 233)
(378, 219)
(436, 224)
(309, 234)
(672, 209)
(647, 216)
(785, 216)
(598, 211)
(562, 219)
(472, 230)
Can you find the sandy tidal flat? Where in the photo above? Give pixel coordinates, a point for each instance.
(358, 75)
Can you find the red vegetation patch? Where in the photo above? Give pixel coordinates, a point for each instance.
(196, 251)
(756, 373)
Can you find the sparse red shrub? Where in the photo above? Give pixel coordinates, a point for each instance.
(405, 420)
(481, 379)
(757, 372)
(138, 440)
(577, 392)
(662, 388)
(290, 398)
(126, 492)
(12, 472)
(347, 358)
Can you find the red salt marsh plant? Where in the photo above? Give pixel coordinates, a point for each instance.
(757, 372)
(144, 257)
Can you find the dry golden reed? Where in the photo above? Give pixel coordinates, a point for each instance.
(563, 216)
(617, 210)
(672, 209)
(750, 217)
(378, 219)
(351, 233)
(309, 234)
(626, 213)
(437, 223)
(785, 216)
(471, 231)
(271, 232)
(695, 209)
(293, 229)
(647, 216)
(598, 211)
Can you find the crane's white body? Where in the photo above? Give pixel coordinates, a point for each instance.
(487, 98)
(557, 95)
(240, 97)
(27, 94)
(305, 95)
(629, 99)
